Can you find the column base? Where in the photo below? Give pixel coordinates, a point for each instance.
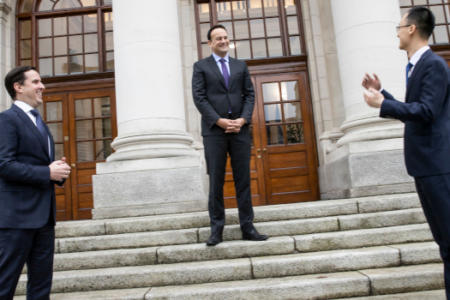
(149, 187)
(365, 168)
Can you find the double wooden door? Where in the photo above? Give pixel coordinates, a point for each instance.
(283, 156)
(83, 126)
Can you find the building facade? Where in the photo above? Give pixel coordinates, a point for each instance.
(119, 104)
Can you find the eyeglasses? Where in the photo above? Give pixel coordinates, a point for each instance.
(400, 26)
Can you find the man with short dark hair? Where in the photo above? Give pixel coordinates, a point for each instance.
(426, 114)
(27, 197)
(224, 96)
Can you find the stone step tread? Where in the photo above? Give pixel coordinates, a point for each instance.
(322, 286)
(229, 269)
(233, 232)
(267, 213)
(423, 295)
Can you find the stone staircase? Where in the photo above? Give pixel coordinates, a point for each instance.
(367, 248)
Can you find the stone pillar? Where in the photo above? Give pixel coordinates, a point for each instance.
(368, 158)
(6, 49)
(154, 168)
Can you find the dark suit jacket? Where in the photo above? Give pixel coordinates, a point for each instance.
(27, 195)
(426, 114)
(212, 98)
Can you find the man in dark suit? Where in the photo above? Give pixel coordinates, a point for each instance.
(27, 198)
(426, 114)
(223, 93)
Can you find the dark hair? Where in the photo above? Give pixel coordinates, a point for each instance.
(424, 20)
(208, 35)
(16, 75)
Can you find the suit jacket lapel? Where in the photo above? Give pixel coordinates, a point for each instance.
(26, 120)
(417, 70)
(213, 65)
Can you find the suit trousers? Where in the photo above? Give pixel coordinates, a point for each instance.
(35, 247)
(216, 149)
(434, 194)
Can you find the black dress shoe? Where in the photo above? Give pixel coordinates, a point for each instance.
(253, 235)
(214, 239)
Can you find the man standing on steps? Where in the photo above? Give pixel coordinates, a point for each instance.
(223, 93)
(27, 197)
(426, 114)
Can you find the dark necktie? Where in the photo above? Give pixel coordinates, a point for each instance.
(408, 68)
(226, 75)
(41, 127)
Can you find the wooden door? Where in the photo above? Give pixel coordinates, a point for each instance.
(83, 125)
(284, 161)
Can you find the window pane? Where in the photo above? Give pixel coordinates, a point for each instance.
(292, 25)
(88, 2)
(45, 47)
(25, 62)
(66, 4)
(25, 49)
(90, 23)
(206, 50)
(60, 26)
(27, 6)
(90, 43)
(434, 1)
(103, 128)
(102, 107)
(85, 151)
(294, 43)
(294, 133)
(255, 8)
(46, 66)
(203, 12)
(76, 64)
(272, 113)
(103, 149)
(57, 132)
(271, 8)
(257, 28)
(239, 10)
(53, 111)
(108, 21)
(441, 34)
(275, 135)
(61, 66)
(438, 12)
(59, 151)
(229, 28)
(291, 9)
(110, 61)
(404, 2)
(75, 44)
(420, 2)
(45, 27)
(46, 5)
(259, 48)
(275, 47)
(271, 92)
(91, 63)
(84, 130)
(204, 31)
(83, 108)
(109, 41)
(107, 2)
(243, 49)
(241, 30)
(223, 11)
(75, 24)
(60, 45)
(289, 90)
(273, 26)
(292, 112)
(25, 29)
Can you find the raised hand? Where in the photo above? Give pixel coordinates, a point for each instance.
(371, 82)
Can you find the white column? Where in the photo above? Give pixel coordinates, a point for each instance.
(154, 168)
(368, 158)
(6, 49)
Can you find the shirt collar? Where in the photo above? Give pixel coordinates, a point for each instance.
(416, 56)
(217, 57)
(23, 106)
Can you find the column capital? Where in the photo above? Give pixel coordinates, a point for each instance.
(5, 9)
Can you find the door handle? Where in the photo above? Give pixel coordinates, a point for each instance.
(73, 165)
(258, 156)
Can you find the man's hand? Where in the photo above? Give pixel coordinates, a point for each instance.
(373, 97)
(371, 82)
(59, 170)
(231, 126)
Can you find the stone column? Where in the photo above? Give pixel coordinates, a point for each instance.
(154, 168)
(6, 50)
(368, 158)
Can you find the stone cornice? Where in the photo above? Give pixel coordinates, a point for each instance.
(4, 9)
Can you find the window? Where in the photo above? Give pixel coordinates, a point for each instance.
(256, 28)
(66, 37)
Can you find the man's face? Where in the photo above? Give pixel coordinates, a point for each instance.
(219, 42)
(404, 32)
(31, 90)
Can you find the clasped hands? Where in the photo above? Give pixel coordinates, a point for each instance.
(59, 170)
(231, 126)
(372, 96)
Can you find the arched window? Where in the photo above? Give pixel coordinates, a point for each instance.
(65, 37)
